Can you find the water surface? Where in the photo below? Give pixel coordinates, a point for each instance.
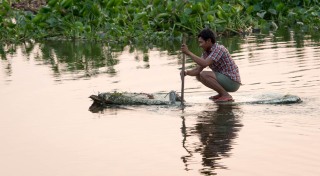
(46, 128)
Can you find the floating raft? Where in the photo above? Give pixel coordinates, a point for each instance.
(172, 98)
(126, 98)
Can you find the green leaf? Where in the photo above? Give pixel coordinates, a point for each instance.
(78, 23)
(140, 15)
(249, 9)
(280, 7)
(257, 7)
(187, 11)
(210, 18)
(219, 21)
(52, 3)
(238, 8)
(261, 14)
(6, 5)
(272, 11)
(37, 18)
(45, 9)
(162, 15)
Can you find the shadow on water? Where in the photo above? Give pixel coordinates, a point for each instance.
(216, 130)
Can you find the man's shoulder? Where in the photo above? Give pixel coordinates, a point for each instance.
(217, 46)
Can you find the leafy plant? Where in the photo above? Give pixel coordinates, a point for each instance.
(124, 20)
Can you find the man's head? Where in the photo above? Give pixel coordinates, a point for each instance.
(206, 38)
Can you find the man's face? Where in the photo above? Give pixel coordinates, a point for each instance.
(205, 45)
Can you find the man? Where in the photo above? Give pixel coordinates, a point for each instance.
(224, 76)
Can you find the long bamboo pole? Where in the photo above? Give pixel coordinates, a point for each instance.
(182, 71)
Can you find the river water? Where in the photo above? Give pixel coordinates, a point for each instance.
(46, 128)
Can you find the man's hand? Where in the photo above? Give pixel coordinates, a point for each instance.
(184, 49)
(183, 73)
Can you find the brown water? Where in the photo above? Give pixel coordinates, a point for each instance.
(47, 130)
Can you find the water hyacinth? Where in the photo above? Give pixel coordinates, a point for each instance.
(124, 20)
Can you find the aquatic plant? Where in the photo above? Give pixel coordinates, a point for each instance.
(151, 20)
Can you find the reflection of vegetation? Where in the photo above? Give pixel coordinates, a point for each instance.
(3, 53)
(124, 20)
(91, 58)
(84, 58)
(216, 130)
(78, 56)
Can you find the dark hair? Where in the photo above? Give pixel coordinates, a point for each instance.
(206, 34)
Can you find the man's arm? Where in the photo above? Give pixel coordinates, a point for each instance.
(201, 62)
(194, 72)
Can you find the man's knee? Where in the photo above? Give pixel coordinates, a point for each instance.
(206, 76)
(203, 74)
(200, 76)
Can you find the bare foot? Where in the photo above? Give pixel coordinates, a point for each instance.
(224, 99)
(215, 97)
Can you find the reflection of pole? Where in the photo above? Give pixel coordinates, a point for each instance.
(184, 134)
(182, 75)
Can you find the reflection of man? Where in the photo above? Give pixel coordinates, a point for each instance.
(216, 130)
(224, 76)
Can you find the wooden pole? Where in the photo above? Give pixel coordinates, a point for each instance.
(183, 70)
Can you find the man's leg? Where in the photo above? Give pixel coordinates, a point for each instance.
(209, 79)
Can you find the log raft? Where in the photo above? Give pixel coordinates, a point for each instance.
(126, 98)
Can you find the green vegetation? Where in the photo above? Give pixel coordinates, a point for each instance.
(127, 20)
